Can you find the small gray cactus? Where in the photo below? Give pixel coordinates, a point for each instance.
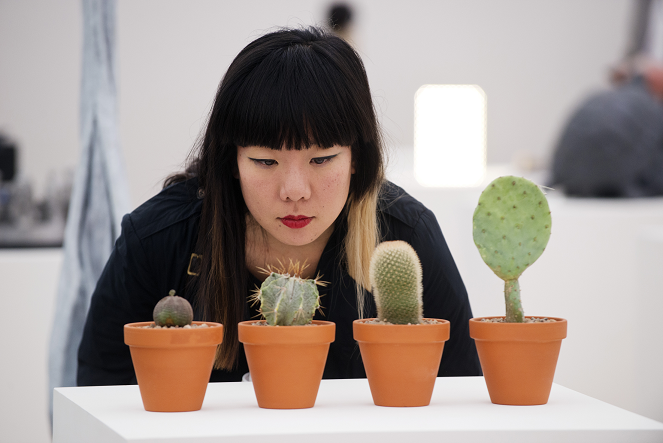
(286, 299)
(173, 310)
(395, 274)
(511, 228)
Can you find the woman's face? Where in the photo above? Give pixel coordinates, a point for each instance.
(295, 195)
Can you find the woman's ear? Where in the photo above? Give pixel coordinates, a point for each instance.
(352, 167)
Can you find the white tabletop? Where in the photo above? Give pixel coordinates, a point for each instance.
(460, 410)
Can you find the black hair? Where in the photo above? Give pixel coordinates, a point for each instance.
(289, 89)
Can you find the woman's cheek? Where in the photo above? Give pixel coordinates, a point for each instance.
(260, 187)
(334, 181)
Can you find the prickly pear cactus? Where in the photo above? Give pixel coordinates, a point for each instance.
(395, 274)
(173, 310)
(286, 299)
(511, 228)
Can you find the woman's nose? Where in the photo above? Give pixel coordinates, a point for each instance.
(295, 185)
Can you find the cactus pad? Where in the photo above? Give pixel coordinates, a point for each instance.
(286, 299)
(395, 274)
(173, 310)
(511, 225)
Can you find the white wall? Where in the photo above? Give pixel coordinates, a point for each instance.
(40, 53)
(534, 58)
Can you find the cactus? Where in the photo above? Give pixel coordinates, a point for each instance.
(286, 299)
(511, 228)
(173, 310)
(395, 274)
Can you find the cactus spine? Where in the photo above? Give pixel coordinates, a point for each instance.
(511, 228)
(395, 274)
(286, 299)
(173, 310)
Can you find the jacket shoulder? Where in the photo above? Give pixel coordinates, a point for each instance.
(396, 205)
(174, 204)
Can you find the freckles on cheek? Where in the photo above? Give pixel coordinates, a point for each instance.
(332, 183)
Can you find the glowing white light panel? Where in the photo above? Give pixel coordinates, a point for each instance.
(449, 135)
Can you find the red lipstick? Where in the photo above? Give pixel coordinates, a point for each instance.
(296, 221)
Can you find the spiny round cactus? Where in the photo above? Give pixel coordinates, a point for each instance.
(286, 299)
(173, 310)
(395, 274)
(511, 228)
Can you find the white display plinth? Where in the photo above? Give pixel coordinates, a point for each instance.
(344, 412)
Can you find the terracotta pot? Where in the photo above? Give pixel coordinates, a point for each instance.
(518, 359)
(401, 361)
(173, 365)
(286, 362)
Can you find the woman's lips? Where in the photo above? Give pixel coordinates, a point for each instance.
(296, 221)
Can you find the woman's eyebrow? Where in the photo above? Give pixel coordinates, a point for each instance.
(327, 156)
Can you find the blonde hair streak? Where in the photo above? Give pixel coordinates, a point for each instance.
(360, 242)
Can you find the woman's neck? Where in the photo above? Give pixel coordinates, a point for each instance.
(264, 252)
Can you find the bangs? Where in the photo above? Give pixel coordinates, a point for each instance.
(294, 98)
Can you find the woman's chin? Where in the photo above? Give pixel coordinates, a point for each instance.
(297, 240)
(298, 237)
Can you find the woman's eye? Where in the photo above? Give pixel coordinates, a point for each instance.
(264, 162)
(322, 160)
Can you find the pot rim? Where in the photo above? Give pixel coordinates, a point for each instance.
(140, 324)
(136, 335)
(249, 333)
(558, 319)
(418, 333)
(480, 330)
(364, 320)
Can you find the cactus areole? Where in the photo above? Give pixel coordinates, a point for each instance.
(286, 299)
(395, 274)
(173, 310)
(511, 228)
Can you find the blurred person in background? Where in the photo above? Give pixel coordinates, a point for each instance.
(612, 145)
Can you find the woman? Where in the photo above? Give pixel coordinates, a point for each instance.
(290, 167)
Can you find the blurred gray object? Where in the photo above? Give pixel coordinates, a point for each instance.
(340, 20)
(7, 159)
(100, 195)
(27, 221)
(340, 16)
(612, 146)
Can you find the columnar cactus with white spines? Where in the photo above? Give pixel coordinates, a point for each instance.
(395, 275)
(511, 228)
(286, 299)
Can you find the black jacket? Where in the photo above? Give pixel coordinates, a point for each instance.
(153, 254)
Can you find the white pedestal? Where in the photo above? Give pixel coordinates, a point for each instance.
(459, 411)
